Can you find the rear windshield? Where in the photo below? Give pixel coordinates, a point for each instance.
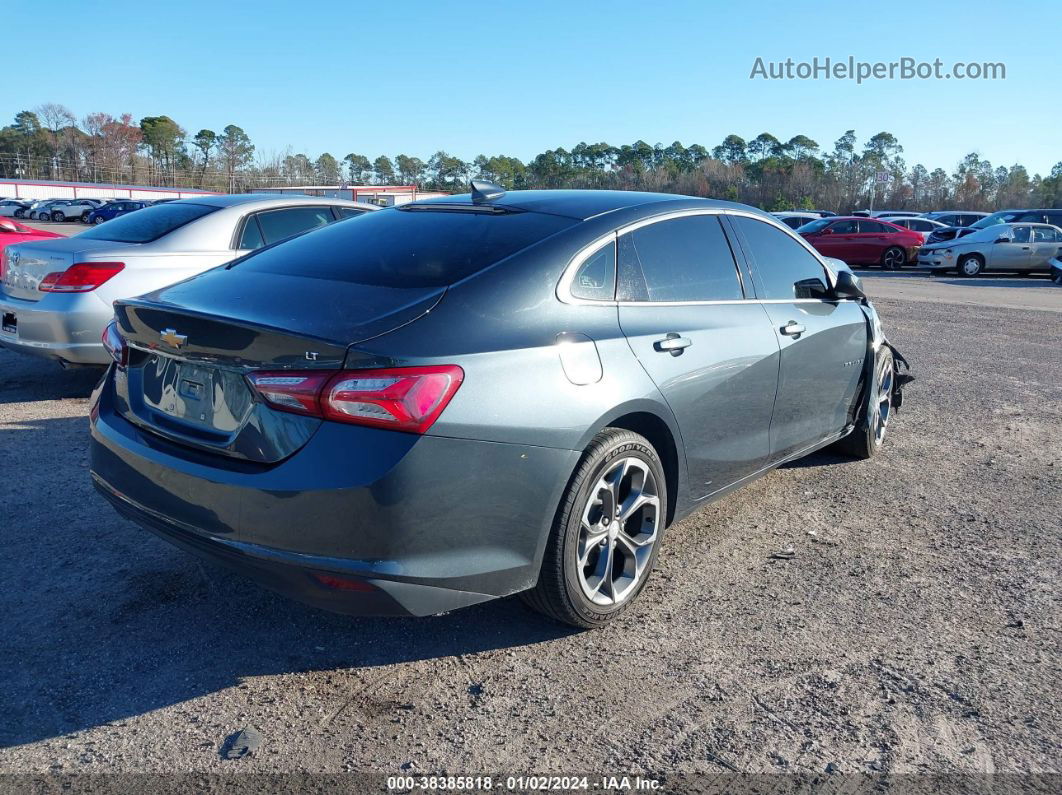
(147, 224)
(814, 226)
(406, 248)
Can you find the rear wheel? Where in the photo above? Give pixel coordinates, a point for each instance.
(606, 534)
(99, 219)
(866, 440)
(58, 217)
(971, 265)
(84, 217)
(893, 258)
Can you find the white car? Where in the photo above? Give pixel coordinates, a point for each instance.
(56, 295)
(923, 226)
(74, 209)
(887, 215)
(795, 219)
(9, 206)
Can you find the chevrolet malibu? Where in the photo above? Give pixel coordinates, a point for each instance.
(55, 296)
(460, 399)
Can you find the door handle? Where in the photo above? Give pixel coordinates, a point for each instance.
(1024, 248)
(793, 329)
(673, 344)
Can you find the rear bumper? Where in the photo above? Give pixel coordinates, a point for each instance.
(66, 327)
(428, 524)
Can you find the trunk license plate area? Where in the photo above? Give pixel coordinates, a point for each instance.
(9, 323)
(200, 397)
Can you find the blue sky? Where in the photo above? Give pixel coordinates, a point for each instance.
(517, 78)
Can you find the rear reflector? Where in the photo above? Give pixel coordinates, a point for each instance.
(403, 398)
(82, 277)
(342, 583)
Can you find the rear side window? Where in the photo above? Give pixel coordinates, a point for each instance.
(280, 224)
(349, 212)
(845, 228)
(786, 269)
(596, 278)
(148, 224)
(251, 237)
(408, 248)
(684, 259)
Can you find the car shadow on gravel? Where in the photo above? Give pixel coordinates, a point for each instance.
(104, 622)
(24, 378)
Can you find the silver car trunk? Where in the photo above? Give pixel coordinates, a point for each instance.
(29, 263)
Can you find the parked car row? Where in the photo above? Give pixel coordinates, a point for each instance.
(874, 238)
(56, 298)
(66, 210)
(424, 407)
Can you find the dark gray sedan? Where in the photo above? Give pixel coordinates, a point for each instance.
(460, 399)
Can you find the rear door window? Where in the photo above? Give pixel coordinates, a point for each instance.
(683, 259)
(277, 225)
(874, 228)
(349, 212)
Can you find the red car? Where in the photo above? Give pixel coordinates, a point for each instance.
(14, 232)
(867, 241)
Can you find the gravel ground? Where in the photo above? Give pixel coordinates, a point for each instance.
(916, 630)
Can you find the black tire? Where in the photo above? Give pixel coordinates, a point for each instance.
(893, 258)
(971, 265)
(99, 219)
(84, 217)
(866, 441)
(20, 213)
(559, 593)
(1056, 276)
(59, 217)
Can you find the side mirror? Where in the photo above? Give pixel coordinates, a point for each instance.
(848, 286)
(1002, 239)
(8, 226)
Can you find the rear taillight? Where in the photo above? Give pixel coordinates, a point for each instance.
(114, 342)
(3, 263)
(82, 277)
(403, 398)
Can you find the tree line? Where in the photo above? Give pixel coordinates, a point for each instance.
(51, 143)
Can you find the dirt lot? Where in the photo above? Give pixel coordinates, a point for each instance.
(917, 628)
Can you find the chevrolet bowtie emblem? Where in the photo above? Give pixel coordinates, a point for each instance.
(172, 338)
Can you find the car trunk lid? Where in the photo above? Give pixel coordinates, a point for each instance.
(186, 378)
(26, 264)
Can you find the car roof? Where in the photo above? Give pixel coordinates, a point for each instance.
(585, 204)
(268, 200)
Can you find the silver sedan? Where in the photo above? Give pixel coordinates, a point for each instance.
(56, 295)
(1018, 247)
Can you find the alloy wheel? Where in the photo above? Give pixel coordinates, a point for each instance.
(620, 525)
(894, 258)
